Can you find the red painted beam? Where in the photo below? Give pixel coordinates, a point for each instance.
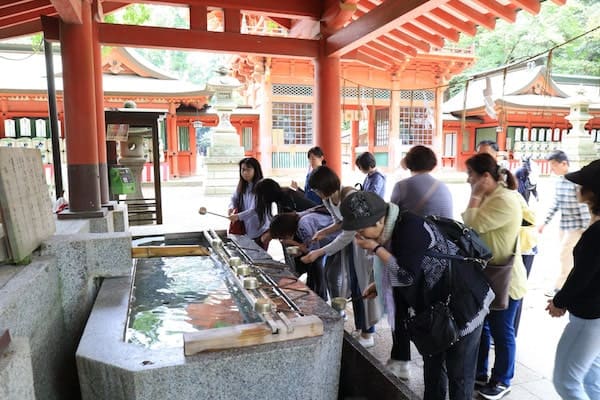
(357, 55)
(423, 34)
(23, 8)
(466, 27)
(531, 6)
(277, 8)
(374, 50)
(450, 34)
(398, 56)
(376, 23)
(69, 10)
(507, 12)
(485, 20)
(283, 22)
(396, 47)
(18, 19)
(27, 28)
(233, 20)
(170, 38)
(409, 40)
(198, 18)
(8, 3)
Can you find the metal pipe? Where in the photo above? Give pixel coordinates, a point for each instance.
(53, 119)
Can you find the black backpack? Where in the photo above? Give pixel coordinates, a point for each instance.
(470, 246)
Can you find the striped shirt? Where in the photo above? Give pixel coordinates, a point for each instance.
(573, 215)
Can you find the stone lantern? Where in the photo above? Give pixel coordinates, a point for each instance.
(224, 152)
(132, 156)
(579, 144)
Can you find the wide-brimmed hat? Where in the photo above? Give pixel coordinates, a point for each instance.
(588, 176)
(361, 210)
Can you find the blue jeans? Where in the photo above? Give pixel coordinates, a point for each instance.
(454, 368)
(501, 326)
(577, 363)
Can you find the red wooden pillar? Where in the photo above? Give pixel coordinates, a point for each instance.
(327, 113)
(100, 124)
(80, 114)
(172, 143)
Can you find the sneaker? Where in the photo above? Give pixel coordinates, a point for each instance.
(494, 391)
(366, 342)
(481, 382)
(399, 368)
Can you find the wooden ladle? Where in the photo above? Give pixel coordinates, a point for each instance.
(204, 211)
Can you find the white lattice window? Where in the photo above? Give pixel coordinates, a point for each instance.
(295, 121)
(382, 127)
(415, 127)
(291, 90)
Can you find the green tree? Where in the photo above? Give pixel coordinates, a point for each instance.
(532, 35)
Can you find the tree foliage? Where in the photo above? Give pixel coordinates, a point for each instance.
(195, 67)
(533, 35)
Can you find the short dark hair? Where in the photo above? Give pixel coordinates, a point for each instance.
(324, 180)
(558, 156)
(284, 225)
(365, 161)
(420, 158)
(315, 151)
(490, 143)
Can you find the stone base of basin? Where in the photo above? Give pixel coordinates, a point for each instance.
(109, 368)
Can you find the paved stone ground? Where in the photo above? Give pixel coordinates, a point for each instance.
(538, 333)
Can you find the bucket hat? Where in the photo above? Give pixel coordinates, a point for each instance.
(361, 210)
(588, 176)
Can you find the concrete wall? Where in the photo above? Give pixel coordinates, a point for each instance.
(45, 306)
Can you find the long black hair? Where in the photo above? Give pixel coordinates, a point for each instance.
(242, 184)
(267, 192)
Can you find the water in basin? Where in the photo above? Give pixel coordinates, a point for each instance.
(174, 295)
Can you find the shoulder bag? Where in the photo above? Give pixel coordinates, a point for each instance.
(498, 277)
(434, 329)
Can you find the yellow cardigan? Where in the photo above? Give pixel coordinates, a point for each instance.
(498, 221)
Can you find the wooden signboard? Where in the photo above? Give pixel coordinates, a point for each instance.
(25, 205)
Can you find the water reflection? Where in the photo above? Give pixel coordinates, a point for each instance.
(174, 295)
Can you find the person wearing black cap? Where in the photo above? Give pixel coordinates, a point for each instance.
(402, 241)
(577, 363)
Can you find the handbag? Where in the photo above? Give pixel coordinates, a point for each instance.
(434, 330)
(237, 227)
(498, 277)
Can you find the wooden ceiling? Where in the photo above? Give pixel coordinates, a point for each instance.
(381, 33)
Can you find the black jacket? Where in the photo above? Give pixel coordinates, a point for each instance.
(580, 294)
